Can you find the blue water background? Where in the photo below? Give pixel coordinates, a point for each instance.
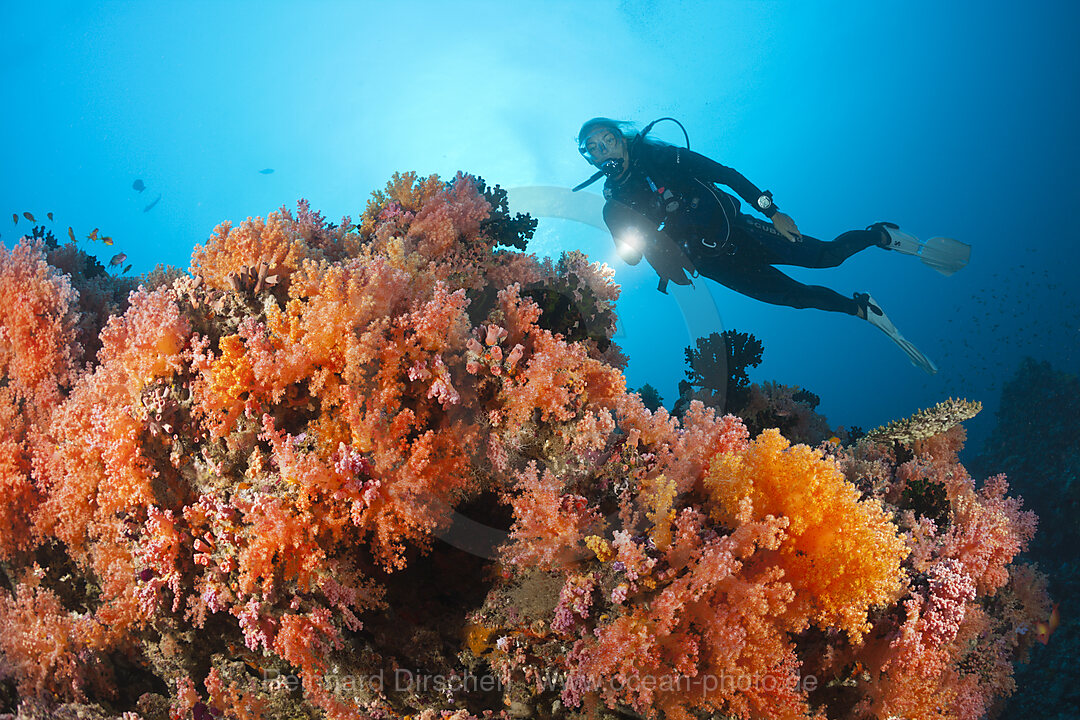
(950, 118)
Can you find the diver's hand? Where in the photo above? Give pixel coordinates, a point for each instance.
(786, 226)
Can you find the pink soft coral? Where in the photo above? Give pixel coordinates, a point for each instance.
(258, 472)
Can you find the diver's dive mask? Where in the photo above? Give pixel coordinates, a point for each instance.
(602, 136)
(599, 144)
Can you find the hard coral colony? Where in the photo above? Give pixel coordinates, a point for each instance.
(238, 507)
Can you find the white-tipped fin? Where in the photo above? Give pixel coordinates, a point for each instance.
(942, 254)
(945, 254)
(882, 323)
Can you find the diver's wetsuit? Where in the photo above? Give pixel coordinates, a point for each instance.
(670, 189)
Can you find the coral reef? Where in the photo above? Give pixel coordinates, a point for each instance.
(1042, 457)
(650, 396)
(392, 469)
(927, 423)
(717, 369)
(717, 377)
(743, 351)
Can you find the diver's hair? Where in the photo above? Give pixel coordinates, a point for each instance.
(626, 129)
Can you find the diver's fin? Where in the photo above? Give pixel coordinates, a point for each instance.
(899, 240)
(943, 254)
(877, 317)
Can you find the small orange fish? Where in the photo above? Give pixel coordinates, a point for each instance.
(92, 235)
(107, 240)
(118, 258)
(49, 215)
(834, 439)
(29, 217)
(1044, 630)
(71, 234)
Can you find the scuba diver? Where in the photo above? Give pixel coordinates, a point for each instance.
(662, 203)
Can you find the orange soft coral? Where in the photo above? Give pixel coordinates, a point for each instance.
(452, 214)
(39, 354)
(145, 343)
(276, 241)
(99, 467)
(42, 649)
(841, 554)
(550, 526)
(260, 472)
(403, 197)
(17, 488)
(707, 640)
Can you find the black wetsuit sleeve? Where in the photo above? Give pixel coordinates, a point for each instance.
(697, 165)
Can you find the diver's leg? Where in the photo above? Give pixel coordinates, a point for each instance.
(766, 283)
(810, 252)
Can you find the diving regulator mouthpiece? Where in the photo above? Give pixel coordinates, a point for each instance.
(611, 167)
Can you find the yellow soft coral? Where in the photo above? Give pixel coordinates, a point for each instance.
(840, 554)
(659, 493)
(600, 547)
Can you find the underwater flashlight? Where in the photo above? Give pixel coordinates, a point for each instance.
(630, 239)
(629, 245)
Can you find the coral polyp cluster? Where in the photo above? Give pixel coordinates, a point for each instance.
(392, 469)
